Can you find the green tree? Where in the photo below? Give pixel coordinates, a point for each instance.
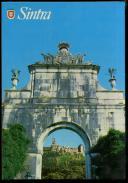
(62, 166)
(14, 150)
(111, 159)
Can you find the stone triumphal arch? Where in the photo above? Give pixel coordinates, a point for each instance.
(63, 92)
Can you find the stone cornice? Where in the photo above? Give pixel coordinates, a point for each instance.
(110, 91)
(63, 66)
(17, 90)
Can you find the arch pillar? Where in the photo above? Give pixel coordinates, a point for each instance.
(33, 165)
(38, 166)
(88, 165)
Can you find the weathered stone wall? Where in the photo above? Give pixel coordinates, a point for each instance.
(65, 83)
(64, 94)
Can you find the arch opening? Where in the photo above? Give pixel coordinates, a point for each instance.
(63, 156)
(73, 127)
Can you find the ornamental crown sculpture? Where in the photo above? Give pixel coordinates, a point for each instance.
(63, 45)
(63, 56)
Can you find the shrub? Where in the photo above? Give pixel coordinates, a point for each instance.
(14, 150)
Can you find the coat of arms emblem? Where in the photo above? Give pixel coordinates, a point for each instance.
(11, 14)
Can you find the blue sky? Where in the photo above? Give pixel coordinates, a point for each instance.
(96, 28)
(64, 137)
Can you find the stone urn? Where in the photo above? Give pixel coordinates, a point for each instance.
(15, 80)
(113, 83)
(14, 83)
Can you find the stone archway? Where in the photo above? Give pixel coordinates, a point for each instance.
(65, 125)
(68, 91)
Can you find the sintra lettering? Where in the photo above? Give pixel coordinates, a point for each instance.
(27, 13)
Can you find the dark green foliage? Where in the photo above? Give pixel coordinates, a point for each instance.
(111, 161)
(14, 148)
(63, 166)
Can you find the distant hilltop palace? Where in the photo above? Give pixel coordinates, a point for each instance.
(63, 149)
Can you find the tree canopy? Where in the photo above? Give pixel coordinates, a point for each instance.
(57, 165)
(14, 150)
(110, 163)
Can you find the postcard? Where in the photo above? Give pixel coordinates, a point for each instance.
(63, 82)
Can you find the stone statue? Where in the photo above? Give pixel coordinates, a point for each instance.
(57, 60)
(15, 73)
(111, 72)
(112, 80)
(51, 57)
(15, 80)
(47, 58)
(74, 60)
(79, 58)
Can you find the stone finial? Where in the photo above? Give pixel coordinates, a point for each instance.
(111, 72)
(63, 45)
(112, 79)
(15, 80)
